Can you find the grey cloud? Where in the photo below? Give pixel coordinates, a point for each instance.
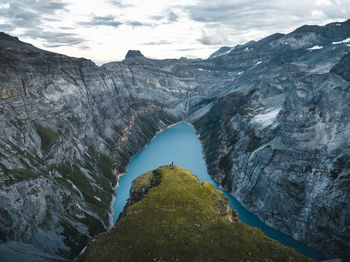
(185, 49)
(110, 20)
(102, 21)
(7, 27)
(29, 14)
(248, 14)
(66, 28)
(227, 22)
(162, 42)
(217, 39)
(137, 23)
(172, 17)
(157, 17)
(55, 39)
(168, 16)
(119, 4)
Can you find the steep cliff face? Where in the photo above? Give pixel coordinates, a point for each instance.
(272, 117)
(281, 143)
(61, 118)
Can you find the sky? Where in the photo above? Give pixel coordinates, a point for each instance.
(104, 30)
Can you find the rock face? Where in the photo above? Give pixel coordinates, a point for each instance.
(133, 54)
(280, 141)
(63, 120)
(222, 51)
(272, 115)
(194, 223)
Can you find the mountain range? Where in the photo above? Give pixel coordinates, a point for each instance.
(273, 117)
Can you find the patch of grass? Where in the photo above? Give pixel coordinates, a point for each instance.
(103, 162)
(16, 175)
(66, 184)
(82, 182)
(23, 174)
(183, 219)
(48, 137)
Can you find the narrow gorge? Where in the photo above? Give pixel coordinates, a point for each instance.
(272, 117)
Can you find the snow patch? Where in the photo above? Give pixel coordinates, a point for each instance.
(97, 198)
(316, 47)
(225, 53)
(267, 118)
(347, 40)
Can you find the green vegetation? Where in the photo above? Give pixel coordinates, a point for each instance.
(178, 218)
(15, 175)
(103, 162)
(48, 137)
(23, 174)
(85, 185)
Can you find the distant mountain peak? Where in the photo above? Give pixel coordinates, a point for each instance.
(221, 51)
(133, 54)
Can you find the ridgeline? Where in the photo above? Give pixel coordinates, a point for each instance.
(172, 216)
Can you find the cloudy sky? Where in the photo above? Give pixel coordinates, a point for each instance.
(103, 30)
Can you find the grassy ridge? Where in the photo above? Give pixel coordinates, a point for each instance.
(183, 219)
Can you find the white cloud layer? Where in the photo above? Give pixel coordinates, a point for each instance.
(104, 30)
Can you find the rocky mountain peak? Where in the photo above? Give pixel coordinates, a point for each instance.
(133, 54)
(4, 36)
(221, 51)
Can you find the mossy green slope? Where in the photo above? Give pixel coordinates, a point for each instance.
(179, 218)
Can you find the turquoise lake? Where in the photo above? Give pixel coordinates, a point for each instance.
(180, 144)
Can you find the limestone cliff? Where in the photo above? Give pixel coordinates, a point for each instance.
(272, 115)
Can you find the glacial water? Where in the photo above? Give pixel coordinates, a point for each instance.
(180, 144)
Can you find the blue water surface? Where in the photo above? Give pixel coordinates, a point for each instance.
(180, 144)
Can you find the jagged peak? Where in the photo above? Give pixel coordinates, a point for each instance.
(134, 54)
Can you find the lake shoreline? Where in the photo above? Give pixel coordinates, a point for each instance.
(180, 143)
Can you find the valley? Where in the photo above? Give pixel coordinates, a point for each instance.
(272, 117)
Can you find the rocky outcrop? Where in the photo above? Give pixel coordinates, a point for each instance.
(194, 223)
(133, 54)
(272, 116)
